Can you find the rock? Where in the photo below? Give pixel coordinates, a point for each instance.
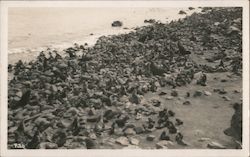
(138, 116)
(172, 129)
(198, 93)
(134, 141)
(59, 138)
(191, 8)
(156, 103)
(150, 137)
(124, 99)
(215, 145)
(95, 118)
(139, 130)
(92, 136)
(135, 98)
(90, 143)
(122, 141)
(66, 123)
(179, 140)
(236, 91)
(207, 93)
(162, 93)
(169, 97)
(129, 131)
(91, 112)
(235, 128)
(178, 122)
(42, 123)
(150, 21)
(19, 94)
(163, 144)
(48, 145)
(226, 98)
(202, 139)
(171, 113)
(187, 103)
(23, 101)
(80, 139)
(202, 79)
(223, 80)
(116, 24)
(73, 111)
(164, 136)
(181, 12)
(121, 121)
(220, 91)
(109, 114)
(217, 23)
(233, 29)
(174, 93)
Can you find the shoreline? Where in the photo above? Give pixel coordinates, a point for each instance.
(27, 54)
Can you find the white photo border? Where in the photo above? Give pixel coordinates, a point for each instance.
(115, 152)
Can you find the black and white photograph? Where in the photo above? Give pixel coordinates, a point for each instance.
(131, 77)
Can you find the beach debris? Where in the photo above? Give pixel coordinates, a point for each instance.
(116, 24)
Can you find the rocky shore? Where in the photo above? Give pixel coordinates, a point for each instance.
(99, 97)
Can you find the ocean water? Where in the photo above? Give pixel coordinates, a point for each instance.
(31, 30)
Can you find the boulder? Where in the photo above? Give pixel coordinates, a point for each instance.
(150, 137)
(122, 141)
(116, 24)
